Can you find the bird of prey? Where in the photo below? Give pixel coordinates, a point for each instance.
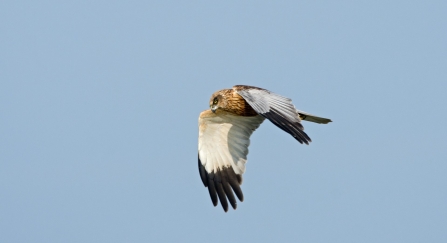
(224, 135)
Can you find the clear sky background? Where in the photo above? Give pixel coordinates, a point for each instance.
(99, 102)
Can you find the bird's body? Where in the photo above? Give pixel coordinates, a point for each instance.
(232, 102)
(225, 130)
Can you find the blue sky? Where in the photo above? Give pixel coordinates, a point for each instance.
(99, 104)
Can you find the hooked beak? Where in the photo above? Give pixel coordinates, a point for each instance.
(213, 108)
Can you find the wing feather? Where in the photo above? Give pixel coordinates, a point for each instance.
(278, 109)
(223, 147)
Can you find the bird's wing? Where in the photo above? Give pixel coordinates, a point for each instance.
(278, 109)
(223, 147)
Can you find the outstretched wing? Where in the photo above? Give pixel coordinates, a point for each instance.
(223, 147)
(278, 109)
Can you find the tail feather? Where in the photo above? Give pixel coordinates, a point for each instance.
(312, 118)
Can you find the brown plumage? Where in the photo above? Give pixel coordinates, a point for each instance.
(230, 101)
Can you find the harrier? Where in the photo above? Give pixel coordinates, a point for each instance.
(224, 135)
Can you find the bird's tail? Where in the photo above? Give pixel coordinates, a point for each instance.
(309, 117)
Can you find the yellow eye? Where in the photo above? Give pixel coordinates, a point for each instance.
(215, 101)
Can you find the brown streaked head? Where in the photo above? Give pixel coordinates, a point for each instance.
(218, 101)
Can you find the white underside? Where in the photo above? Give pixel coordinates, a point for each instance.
(224, 139)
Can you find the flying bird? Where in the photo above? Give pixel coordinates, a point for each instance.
(225, 130)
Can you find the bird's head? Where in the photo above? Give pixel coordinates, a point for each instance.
(216, 102)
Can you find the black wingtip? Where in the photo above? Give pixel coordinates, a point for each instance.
(221, 185)
(218, 180)
(202, 172)
(212, 189)
(226, 186)
(295, 129)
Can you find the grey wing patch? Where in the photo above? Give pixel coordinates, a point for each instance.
(278, 109)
